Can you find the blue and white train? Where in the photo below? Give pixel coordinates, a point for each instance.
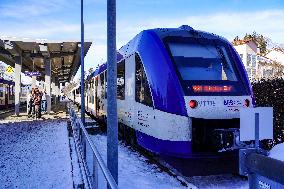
(179, 91)
(7, 93)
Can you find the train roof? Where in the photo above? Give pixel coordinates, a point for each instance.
(182, 31)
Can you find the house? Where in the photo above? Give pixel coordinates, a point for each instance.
(259, 66)
(248, 52)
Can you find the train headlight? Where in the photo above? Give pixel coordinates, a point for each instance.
(247, 102)
(193, 103)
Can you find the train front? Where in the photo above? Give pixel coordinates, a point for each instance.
(215, 87)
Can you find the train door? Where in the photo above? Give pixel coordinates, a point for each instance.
(129, 107)
(6, 95)
(2, 95)
(87, 96)
(96, 96)
(12, 92)
(103, 94)
(92, 103)
(100, 93)
(143, 97)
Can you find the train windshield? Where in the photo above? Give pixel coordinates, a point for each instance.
(206, 66)
(196, 61)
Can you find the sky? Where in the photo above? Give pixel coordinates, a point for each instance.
(60, 19)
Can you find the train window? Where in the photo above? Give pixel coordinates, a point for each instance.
(79, 90)
(142, 89)
(202, 61)
(102, 77)
(11, 95)
(92, 99)
(1, 90)
(121, 80)
(96, 81)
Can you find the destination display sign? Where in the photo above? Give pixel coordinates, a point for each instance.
(32, 73)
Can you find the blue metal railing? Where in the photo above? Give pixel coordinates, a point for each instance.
(263, 172)
(82, 139)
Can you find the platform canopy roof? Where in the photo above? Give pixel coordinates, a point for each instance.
(64, 55)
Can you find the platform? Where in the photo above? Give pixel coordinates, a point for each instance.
(35, 154)
(58, 112)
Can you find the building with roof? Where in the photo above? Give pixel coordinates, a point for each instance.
(260, 66)
(51, 62)
(248, 51)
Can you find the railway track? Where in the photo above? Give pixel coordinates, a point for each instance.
(184, 179)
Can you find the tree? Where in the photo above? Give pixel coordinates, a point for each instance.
(236, 38)
(261, 41)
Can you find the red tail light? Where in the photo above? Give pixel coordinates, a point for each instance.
(247, 102)
(193, 104)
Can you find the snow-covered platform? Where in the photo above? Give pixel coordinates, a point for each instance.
(59, 111)
(35, 154)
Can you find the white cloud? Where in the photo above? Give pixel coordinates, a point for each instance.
(228, 24)
(95, 56)
(270, 23)
(31, 8)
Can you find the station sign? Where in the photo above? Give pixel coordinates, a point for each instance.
(32, 74)
(9, 70)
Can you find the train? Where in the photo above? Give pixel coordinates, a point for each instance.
(179, 92)
(7, 93)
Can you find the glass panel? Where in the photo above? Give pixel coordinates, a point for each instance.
(202, 62)
(120, 80)
(106, 84)
(253, 60)
(267, 73)
(241, 55)
(249, 72)
(1, 90)
(248, 59)
(142, 89)
(102, 78)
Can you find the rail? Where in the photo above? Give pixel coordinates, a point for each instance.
(82, 138)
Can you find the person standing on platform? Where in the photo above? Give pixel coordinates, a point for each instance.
(44, 105)
(37, 103)
(30, 102)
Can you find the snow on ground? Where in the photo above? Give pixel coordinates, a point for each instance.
(277, 152)
(134, 172)
(77, 177)
(226, 181)
(35, 155)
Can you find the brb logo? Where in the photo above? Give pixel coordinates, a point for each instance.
(263, 185)
(232, 103)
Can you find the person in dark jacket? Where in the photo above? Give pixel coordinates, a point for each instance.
(37, 102)
(30, 99)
